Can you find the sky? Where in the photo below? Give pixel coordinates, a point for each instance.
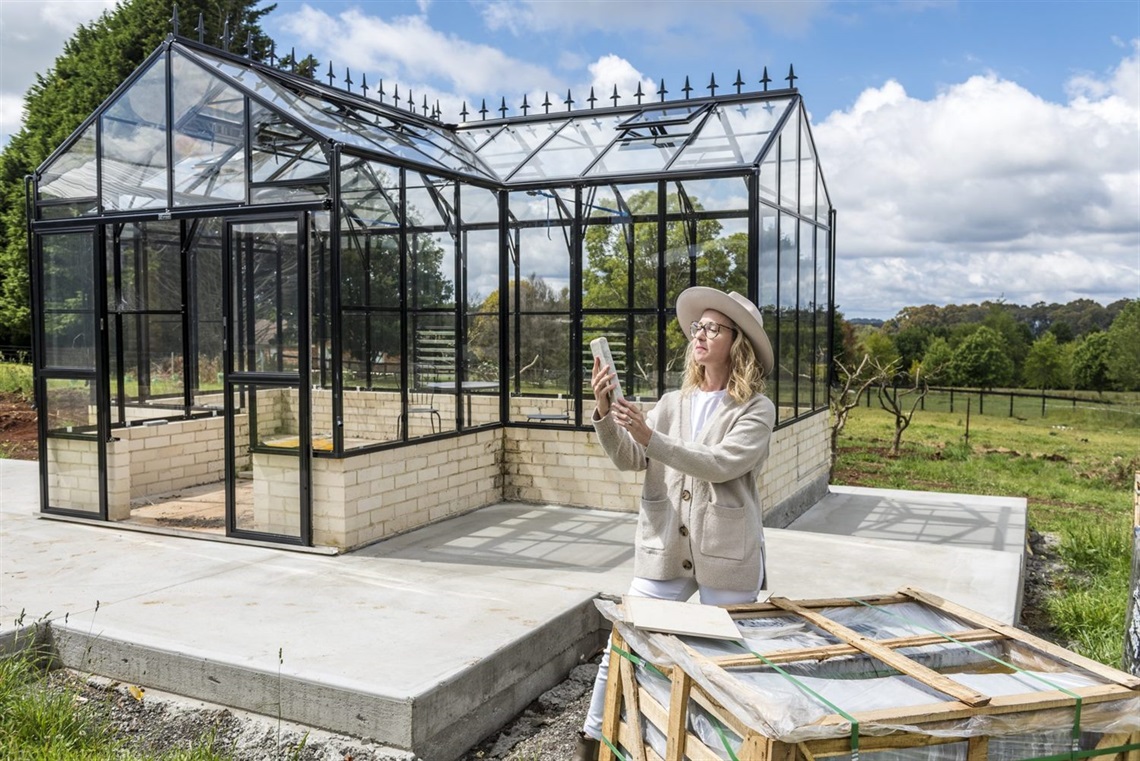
(974, 150)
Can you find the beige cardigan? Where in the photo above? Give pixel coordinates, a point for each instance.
(700, 504)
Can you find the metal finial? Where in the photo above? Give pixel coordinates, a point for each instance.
(438, 110)
(174, 20)
(591, 99)
(411, 101)
(425, 108)
(483, 109)
(249, 45)
(364, 85)
(687, 88)
(273, 53)
(739, 82)
(661, 90)
(569, 101)
(293, 59)
(639, 94)
(524, 106)
(764, 80)
(464, 112)
(201, 28)
(347, 79)
(615, 96)
(396, 95)
(503, 108)
(546, 102)
(712, 85)
(380, 90)
(330, 75)
(226, 36)
(791, 76)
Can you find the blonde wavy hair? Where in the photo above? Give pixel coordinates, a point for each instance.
(745, 377)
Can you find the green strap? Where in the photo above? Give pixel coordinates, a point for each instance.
(617, 752)
(1076, 735)
(638, 661)
(723, 740)
(803, 687)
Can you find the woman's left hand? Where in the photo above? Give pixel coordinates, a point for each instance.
(632, 419)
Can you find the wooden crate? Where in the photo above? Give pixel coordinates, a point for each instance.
(960, 717)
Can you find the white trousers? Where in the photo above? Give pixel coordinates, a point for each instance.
(673, 589)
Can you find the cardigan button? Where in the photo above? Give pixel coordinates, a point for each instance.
(686, 495)
(687, 565)
(684, 530)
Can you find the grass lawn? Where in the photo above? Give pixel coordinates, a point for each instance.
(1075, 468)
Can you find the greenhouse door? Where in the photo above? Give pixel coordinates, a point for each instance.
(266, 364)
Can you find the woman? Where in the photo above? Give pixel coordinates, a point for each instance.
(699, 527)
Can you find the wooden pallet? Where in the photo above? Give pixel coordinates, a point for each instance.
(624, 692)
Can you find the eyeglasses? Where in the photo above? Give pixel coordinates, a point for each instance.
(711, 329)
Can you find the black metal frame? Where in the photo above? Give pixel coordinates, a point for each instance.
(574, 222)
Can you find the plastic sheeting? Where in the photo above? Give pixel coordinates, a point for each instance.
(775, 706)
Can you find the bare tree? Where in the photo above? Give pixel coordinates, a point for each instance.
(854, 380)
(894, 399)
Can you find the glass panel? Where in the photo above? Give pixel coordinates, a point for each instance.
(146, 274)
(727, 194)
(281, 151)
(553, 207)
(722, 258)
(619, 250)
(822, 369)
(320, 258)
(265, 298)
(134, 144)
(371, 378)
(152, 359)
(205, 314)
(513, 144)
(786, 360)
(473, 137)
(72, 466)
(481, 248)
(673, 114)
(68, 298)
(543, 271)
(805, 316)
(209, 137)
(808, 171)
(431, 267)
(269, 500)
(638, 154)
(482, 380)
(572, 150)
(768, 278)
(540, 346)
(676, 347)
(370, 194)
(770, 172)
(478, 205)
(431, 373)
(823, 205)
(430, 201)
(732, 136)
(789, 166)
(72, 174)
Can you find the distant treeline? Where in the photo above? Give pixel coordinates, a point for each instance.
(1079, 345)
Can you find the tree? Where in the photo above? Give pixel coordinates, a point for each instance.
(853, 383)
(1090, 363)
(97, 58)
(893, 398)
(982, 360)
(879, 346)
(1124, 348)
(1044, 365)
(936, 361)
(911, 343)
(1016, 334)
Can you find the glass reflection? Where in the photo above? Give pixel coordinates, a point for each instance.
(133, 131)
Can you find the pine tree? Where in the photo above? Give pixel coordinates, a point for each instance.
(97, 58)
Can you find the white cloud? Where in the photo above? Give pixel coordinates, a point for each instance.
(986, 191)
(32, 35)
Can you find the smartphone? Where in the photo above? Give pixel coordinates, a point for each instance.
(601, 349)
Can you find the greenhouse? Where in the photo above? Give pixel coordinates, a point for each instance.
(274, 309)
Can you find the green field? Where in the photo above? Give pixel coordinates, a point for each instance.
(1075, 467)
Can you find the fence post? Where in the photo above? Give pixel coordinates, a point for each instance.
(1132, 618)
(951, 400)
(981, 402)
(1042, 401)
(1011, 404)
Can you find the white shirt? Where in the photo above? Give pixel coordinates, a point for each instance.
(705, 403)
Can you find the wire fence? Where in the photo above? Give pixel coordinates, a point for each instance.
(1017, 404)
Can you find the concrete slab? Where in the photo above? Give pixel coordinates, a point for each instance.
(426, 642)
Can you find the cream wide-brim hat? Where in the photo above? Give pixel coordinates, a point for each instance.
(692, 302)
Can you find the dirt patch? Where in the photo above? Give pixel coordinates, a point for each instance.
(19, 432)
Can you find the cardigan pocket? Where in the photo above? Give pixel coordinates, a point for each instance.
(656, 521)
(724, 533)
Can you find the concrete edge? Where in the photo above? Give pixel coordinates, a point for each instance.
(787, 510)
(505, 683)
(372, 717)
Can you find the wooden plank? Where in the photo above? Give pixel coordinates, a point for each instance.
(841, 746)
(744, 608)
(611, 719)
(678, 716)
(978, 749)
(1134, 755)
(825, 652)
(927, 676)
(1105, 672)
(629, 689)
(655, 713)
(624, 733)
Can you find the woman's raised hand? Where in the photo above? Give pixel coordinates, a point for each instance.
(602, 383)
